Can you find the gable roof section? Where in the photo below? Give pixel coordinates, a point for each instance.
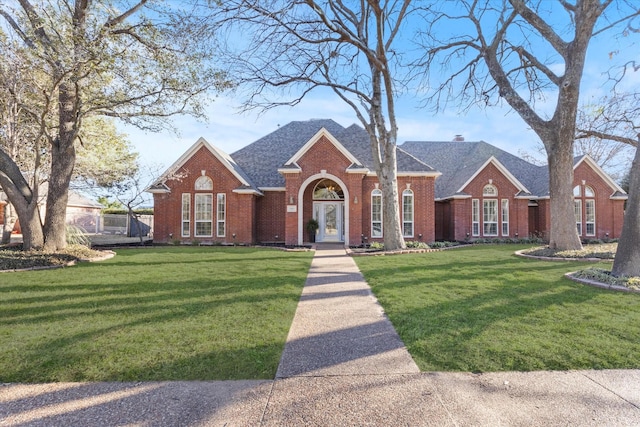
(522, 190)
(617, 191)
(262, 158)
(246, 184)
(313, 140)
(460, 161)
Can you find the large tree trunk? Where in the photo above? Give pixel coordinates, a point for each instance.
(563, 231)
(63, 158)
(627, 260)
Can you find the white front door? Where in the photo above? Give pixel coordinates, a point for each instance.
(330, 217)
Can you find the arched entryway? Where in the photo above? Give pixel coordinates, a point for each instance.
(328, 210)
(330, 204)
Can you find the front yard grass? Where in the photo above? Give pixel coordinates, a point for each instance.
(167, 313)
(481, 309)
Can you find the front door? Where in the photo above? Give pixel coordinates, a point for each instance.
(330, 217)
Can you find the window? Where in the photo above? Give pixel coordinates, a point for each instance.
(204, 183)
(222, 214)
(407, 213)
(376, 213)
(588, 192)
(505, 217)
(204, 215)
(475, 217)
(327, 189)
(590, 215)
(586, 225)
(578, 213)
(186, 214)
(490, 217)
(489, 190)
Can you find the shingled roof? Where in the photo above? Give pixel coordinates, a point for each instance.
(460, 160)
(261, 159)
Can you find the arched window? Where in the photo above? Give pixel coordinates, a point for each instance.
(376, 213)
(204, 183)
(407, 213)
(489, 190)
(327, 189)
(586, 205)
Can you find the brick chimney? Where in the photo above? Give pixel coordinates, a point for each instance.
(458, 138)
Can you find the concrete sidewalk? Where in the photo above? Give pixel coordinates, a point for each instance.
(343, 364)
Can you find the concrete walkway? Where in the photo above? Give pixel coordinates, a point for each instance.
(343, 364)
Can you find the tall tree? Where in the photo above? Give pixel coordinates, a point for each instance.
(303, 45)
(138, 61)
(523, 52)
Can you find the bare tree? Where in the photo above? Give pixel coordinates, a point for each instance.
(138, 61)
(619, 121)
(525, 53)
(299, 46)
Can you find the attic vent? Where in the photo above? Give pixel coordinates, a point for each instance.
(458, 138)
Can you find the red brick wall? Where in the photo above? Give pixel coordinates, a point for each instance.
(240, 208)
(270, 216)
(424, 209)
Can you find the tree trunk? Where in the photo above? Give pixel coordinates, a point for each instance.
(10, 218)
(627, 260)
(563, 233)
(392, 229)
(63, 158)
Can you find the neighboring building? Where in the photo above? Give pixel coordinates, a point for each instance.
(81, 211)
(267, 191)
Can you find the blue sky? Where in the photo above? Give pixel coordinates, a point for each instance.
(230, 130)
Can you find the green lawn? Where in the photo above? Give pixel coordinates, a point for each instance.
(483, 309)
(166, 313)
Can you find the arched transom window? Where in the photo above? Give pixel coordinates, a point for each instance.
(489, 190)
(327, 189)
(204, 183)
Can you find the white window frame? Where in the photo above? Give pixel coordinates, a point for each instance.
(186, 215)
(203, 183)
(578, 215)
(221, 215)
(490, 190)
(407, 214)
(203, 216)
(475, 217)
(590, 217)
(376, 200)
(490, 207)
(505, 217)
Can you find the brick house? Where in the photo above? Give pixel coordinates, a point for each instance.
(267, 191)
(485, 192)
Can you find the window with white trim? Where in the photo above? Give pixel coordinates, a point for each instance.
(204, 183)
(505, 217)
(475, 217)
(490, 217)
(578, 213)
(204, 215)
(490, 190)
(221, 215)
(376, 213)
(186, 215)
(407, 213)
(590, 216)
